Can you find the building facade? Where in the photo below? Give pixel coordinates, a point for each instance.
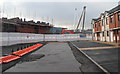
(20, 26)
(107, 26)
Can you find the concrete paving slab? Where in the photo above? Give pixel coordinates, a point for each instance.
(58, 58)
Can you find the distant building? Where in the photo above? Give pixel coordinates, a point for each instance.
(107, 26)
(56, 30)
(22, 26)
(119, 3)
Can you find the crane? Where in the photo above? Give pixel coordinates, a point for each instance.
(82, 16)
(76, 30)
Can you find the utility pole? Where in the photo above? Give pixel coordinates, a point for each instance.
(14, 11)
(20, 14)
(52, 21)
(75, 16)
(3, 6)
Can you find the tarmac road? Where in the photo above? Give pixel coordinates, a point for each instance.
(58, 58)
(107, 58)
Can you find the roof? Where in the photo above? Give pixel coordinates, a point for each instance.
(17, 21)
(96, 19)
(117, 8)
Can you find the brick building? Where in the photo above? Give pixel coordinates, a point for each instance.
(107, 26)
(20, 26)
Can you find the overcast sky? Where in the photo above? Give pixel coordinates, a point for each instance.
(62, 13)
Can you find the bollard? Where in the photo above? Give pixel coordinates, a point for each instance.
(12, 50)
(17, 49)
(21, 48)
(26, 46)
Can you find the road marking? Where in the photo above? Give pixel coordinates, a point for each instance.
(98, 48)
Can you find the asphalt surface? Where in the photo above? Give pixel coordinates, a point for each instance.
(87, 44)
(58, 57)
(87, 65)
(107, 58)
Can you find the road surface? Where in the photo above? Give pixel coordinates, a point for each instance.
(107, 58)
(58, 58)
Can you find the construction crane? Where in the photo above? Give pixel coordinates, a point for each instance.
(82, 16)
(76, 30)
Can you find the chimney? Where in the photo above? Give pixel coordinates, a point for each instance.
(21, 19)
(24, 19)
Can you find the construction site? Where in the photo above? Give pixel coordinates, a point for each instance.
(39, 46)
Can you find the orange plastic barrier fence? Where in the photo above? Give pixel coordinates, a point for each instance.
(27, 50)
(0, 60)
(9, 58)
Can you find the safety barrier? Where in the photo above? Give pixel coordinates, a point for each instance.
(0, 60)
(27, 50)
(9, 58)
(7, 39)
(18, 54)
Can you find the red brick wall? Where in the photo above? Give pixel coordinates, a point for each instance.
(115, 23)
(112, 25)
(25, 29)
(43, 30)
(98, 26)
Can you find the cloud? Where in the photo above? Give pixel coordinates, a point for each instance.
(62, 13)
(61, 0)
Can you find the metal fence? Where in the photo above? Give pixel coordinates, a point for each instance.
(17, 38)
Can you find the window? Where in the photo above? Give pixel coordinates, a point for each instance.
(102, 22)
(107, 33)
(98, 25)
(106, 20)
(119, 16)
(111, 19)
(103, 34)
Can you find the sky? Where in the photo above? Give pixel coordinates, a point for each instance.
(61, 13)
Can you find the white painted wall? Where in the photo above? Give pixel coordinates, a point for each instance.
(111, 36)
(16, 38)
(101, 37)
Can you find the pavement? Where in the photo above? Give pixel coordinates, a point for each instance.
(107, 58)
(58, 57)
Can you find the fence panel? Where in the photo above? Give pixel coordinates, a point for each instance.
(16, 38)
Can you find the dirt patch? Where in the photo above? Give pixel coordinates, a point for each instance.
(32, 57)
